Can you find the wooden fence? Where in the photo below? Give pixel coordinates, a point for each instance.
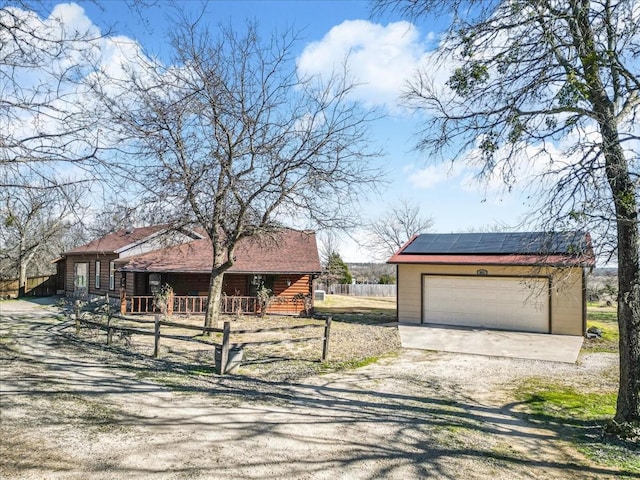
(360, 290)
(222, 350)
(41, 286)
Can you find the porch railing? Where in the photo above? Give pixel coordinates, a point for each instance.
(141, 305)
(197, 305)
(190, 304)
(239, 305)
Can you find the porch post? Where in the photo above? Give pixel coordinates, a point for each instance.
(170, 304)
(123, 301)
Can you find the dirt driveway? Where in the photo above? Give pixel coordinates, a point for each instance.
(73, 410)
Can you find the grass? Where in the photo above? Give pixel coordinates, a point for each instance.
(604, 318)
(350, 364)
(214, 338)
(579, 416)
(351, 308)
(553, 400)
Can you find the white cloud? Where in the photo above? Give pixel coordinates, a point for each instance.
(380, 58)
(118, 54)
(55, 59)
(427, 177)
(432, 175)
(73, 17)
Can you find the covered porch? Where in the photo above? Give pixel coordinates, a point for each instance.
(291, 294)
(197, 305)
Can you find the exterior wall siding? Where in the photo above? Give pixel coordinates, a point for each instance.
(68, 270)
(61, 275)
(566, 291)
(139, 283)
(196, 284)
(234, 285)
(129, 282)
(299, 285)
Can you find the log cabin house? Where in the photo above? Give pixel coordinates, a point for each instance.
(133, 265)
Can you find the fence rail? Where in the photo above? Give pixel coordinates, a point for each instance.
(360, 290)
(222, 349)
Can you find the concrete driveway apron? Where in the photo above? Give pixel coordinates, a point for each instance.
(534, 346)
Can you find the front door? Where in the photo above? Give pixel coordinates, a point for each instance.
(80, 279)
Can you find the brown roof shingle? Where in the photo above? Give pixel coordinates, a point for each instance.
(289, 251)
(115, 241)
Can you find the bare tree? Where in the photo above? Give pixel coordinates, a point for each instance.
(491, 227)
(43, 68)
(117, 214)
(557, 84)
(34, 224)
(401, 221)
(329, 244)
(231, 139)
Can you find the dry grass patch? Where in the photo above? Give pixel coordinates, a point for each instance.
(374, 309)
(359, 335)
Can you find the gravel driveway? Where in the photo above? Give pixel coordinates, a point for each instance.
(73, 410)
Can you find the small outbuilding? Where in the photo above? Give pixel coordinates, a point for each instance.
(524, 281)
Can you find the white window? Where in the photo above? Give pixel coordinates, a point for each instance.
(97, 274)
(112, 275)
(81, 276)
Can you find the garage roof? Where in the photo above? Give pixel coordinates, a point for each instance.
(516, 248)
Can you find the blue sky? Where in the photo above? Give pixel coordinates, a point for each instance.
(383, 53)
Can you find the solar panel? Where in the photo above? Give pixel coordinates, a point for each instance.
(498, 243)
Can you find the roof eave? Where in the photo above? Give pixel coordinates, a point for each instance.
(511, 260)
(140, 241)
(208, 271)
(89, 252)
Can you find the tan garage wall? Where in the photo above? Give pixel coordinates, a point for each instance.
(566, 292)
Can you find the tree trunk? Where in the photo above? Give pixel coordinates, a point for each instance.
(626, 208)
(213, 304)
(624, 194)
(628, 405)
(22, 277)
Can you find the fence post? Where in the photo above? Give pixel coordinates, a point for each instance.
(325, 343)
(224, 351)
(109, 330)
(156, 343)
(77, 314)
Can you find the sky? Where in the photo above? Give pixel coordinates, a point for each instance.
(383, 51)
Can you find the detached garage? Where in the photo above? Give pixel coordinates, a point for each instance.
(528, 282)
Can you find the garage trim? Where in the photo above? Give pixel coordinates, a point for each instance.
(519, 277)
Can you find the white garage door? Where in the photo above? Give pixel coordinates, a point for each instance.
(504, 303)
